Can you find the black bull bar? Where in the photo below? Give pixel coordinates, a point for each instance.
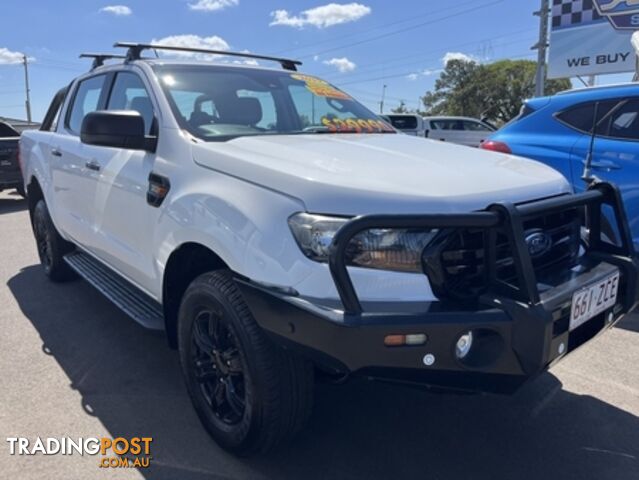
(508, 218)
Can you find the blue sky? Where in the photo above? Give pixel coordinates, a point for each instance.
(360, 46)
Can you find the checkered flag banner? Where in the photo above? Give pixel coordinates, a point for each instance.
(570, 12)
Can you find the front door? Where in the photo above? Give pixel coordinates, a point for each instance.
(124, 220)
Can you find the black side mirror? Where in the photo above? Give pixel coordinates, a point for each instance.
(116, 128)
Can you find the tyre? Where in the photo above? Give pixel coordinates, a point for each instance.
(51, 246)
(249, 393)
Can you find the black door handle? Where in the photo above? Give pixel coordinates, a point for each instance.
(55, 152)
(93, 165)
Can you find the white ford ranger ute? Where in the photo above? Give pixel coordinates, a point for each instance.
(276, 228)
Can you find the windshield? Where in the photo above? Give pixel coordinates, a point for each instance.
(217, 103)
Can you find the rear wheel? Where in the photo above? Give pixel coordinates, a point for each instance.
(51, 246)
(249, 393)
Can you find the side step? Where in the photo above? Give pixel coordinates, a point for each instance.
(135, 303)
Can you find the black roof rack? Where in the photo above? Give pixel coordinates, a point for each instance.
(99, 58)
(135, 51)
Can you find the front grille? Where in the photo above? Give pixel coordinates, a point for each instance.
(462, 258)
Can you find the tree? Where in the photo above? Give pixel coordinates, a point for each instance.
(402, 108)
(493, 91)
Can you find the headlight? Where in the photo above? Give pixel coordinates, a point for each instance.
(386, 249)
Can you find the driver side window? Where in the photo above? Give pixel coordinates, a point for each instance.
(129, 93)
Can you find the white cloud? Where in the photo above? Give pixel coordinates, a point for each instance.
(213, 5)
(7, 57)
(321, 17)
(458, 56)
(119, 10)
(193, 41)
(343, 64)
(425, 73)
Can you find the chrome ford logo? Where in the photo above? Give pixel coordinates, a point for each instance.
(538, 242)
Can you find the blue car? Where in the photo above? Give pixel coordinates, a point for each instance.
(557, 131)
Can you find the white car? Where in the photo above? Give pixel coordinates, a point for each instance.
(407, 123)
(462, 130)
(273, 226)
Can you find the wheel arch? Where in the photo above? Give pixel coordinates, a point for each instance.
(34, 194)
(184, 264)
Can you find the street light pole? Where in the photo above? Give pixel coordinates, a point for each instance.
(26, 86)
(541, 46)
(381, 104)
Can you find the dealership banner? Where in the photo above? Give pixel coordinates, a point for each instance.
(592, 37)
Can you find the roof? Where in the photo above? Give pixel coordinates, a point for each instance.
(17, 122)
(618, 88)
(452, 117)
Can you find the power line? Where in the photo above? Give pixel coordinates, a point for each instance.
(528, 54)
(378, 27)
(447, 48)
(413, 27)
(385, 64)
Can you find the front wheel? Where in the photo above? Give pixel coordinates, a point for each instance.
(249, 393)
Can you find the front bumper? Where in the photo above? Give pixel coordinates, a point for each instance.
(518, 333)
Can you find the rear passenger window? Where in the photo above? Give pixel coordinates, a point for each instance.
(129, 93)
(86, 100)
(580, 116)
(624, 123)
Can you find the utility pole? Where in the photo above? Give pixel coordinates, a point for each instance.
(381, 104)
(27, 103)
(541, 47)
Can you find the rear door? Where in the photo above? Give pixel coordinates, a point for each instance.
(615, 151)
(74, 174)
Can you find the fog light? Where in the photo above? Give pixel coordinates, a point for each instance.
(416, 339)
(464, 344)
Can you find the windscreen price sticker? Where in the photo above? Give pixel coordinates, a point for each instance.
(320, 87)
(594, 299)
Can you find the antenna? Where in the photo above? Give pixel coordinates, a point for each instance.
(135, 51)
(99, 58)
(587, 175)
(635, 45)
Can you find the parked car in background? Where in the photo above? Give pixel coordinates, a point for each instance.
(409, 124)
(557, 131)
(10, 176)
(462, 130)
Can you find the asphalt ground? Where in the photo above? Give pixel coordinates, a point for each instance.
(73, 365)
